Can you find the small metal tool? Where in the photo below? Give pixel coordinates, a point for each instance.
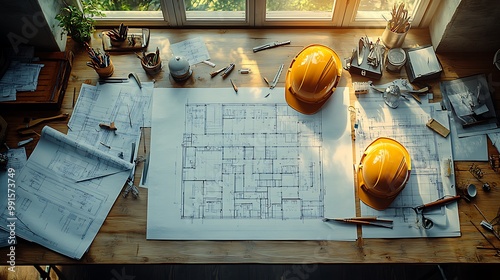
(484, 236)
(486, 224)
(130, 187)
(121, 79)
(419, 210)
(270, 45)
(277, 77)
(245, 71)
(227, 71)
(24, 142)
(360, 50)
(209, 63)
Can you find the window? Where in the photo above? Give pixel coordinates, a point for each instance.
(215, 10)
(312, 10)
(139, 11)
(377, 12)
(341, 13)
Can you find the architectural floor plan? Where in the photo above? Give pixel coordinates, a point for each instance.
(247, 166)
(251, 161)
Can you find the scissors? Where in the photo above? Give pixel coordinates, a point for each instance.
(419, 210)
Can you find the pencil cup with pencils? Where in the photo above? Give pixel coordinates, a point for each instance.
(100, 62)
(151, 62)
(118, 35)
(397, 27)
(106, 71)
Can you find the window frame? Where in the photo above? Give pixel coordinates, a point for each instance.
(344, 13)
(352, 7)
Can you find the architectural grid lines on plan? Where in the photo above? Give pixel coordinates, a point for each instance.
(410, 130)
(258, 161)
(431, 163)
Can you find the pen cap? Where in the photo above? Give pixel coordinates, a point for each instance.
(383, 172)
(312, 78)
(179, 68)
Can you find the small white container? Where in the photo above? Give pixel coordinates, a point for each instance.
(396, 58)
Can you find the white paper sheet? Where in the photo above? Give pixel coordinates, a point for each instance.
(22, 76)
(470, 148)
(193, 50)
(51, 208)
(228, 166)
(495, 139)
(431, 157)
(125, 104)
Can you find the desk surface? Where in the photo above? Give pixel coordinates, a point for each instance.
(122, 238)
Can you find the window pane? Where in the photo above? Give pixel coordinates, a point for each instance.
(299, 9)
(378, 9)
(126, 9)
(218, 9)
(128, 5)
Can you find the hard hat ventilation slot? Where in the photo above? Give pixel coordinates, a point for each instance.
(325, 71)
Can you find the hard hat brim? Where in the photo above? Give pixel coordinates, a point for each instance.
(374, 202)
(304, 107)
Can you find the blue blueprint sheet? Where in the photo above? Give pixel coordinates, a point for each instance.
(246, 166)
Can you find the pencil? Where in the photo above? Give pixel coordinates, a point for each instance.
(74, 93)
(234, 86)
(362, 222)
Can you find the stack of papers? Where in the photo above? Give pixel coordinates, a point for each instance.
(64, 193)
(19, 77)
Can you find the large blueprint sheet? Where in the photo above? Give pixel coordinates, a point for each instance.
(432, 165)
(64, 193)
(246, 166)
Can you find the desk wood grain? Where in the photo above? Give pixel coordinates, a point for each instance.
(122, 238)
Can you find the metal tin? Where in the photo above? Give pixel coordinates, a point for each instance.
(179, 68)
(396, 58)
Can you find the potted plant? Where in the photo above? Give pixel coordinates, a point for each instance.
(78, 23)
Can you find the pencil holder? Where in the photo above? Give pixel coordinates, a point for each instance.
(105, 72)
(151, 63)
(116, 43)
(393, 39)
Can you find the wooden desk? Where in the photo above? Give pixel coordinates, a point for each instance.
(122, 238)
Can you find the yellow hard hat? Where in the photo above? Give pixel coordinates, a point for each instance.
(383, 172)
(312, 78)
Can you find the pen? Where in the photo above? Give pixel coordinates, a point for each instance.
(234, 86)
(363, 221)
(267, 81)
(270, 45)
(74, 93)
(277, 77)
